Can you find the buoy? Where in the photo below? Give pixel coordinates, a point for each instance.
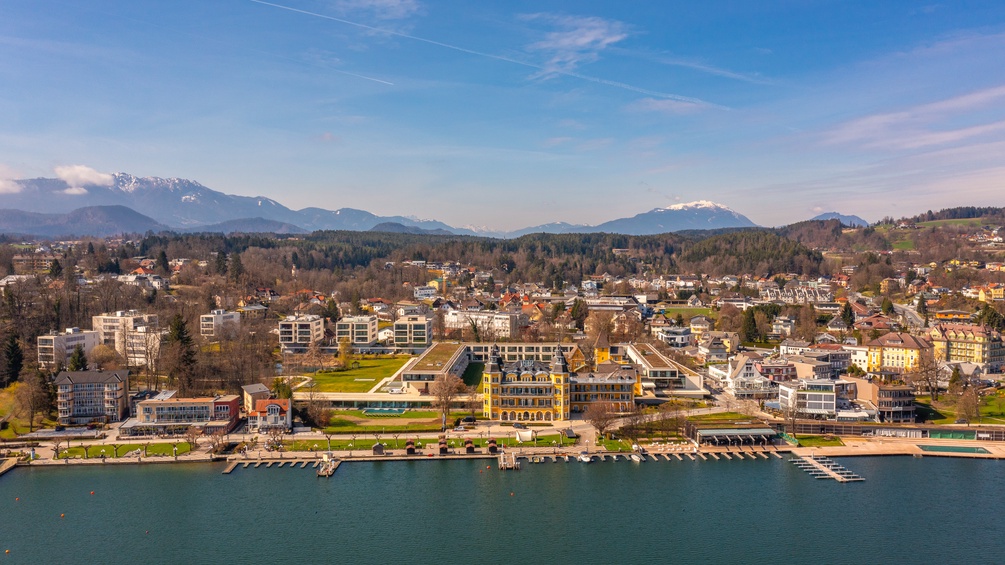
(17, 499)
(488, 466)
(7, 552)
(511, 494)
(62, 515)
(92, 493)
(148, 531)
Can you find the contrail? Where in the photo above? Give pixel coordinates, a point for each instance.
(495, 57)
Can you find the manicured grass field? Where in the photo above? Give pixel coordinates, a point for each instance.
(720, 416)
(473, 374)
(370, 372)
(365, 443)
(94, 451)
(819, 441)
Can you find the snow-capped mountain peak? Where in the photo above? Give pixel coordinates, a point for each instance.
(697, 205)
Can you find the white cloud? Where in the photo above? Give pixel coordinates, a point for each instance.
(82, 175)
(7, 184)
(575, 40)
(75, 191)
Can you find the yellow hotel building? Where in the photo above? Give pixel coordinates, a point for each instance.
(968, 343)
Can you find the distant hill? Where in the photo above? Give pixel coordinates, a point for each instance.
(961, 213)
(394, 227)
(850, 221)
(250, 225)
(101, 221)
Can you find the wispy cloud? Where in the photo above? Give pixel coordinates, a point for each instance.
(556, 141)
(379, 9)
(667, 106)
(79, 176)
(588, 78)
(7, 184)
(924, 125)
(574, 40)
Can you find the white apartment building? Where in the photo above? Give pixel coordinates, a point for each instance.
(83, 397)
(55, 348)
(359, 330)
(424, 292)
(413, 331)
(134, 335)
(301, 331)
(490, 325)
(213, 324)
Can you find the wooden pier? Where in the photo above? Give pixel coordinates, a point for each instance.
(825, 468)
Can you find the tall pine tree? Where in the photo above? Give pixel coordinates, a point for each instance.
(13, 360)
(180, 354)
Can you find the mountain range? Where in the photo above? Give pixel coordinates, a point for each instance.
(123, 203)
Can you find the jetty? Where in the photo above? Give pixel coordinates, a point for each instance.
(7, 464)
(230, 468)
(509, 462)
(329, 465)
(825, 468)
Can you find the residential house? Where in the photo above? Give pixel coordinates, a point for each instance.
(414, 331)
(809, 398)
(253, 393)
(168, 413)
(269, 414)
(299, 332)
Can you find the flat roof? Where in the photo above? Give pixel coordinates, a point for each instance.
(720, 432)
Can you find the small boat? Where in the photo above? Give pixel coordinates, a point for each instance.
(636, 458)
(535, 459)
(584, 457)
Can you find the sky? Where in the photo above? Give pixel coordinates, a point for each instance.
(513, 114)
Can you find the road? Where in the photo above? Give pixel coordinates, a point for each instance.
(910, 315)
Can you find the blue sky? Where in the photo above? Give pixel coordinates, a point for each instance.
(510, 114)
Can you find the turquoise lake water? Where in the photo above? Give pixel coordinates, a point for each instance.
(908, 510)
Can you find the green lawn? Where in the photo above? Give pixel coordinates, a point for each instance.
(365, 443)
(721, 416)
(94, 451)
(353, 421)
(370, 372)
(473, 374)
(956, 222)
(688, 313)
(819, 441)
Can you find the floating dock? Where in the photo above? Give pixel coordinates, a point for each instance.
(825, 468)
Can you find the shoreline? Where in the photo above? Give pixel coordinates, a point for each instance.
(853, 448)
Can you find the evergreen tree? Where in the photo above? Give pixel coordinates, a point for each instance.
(221, 263)
(887, 307)
(236, 268)
(748, 330)
(13, 360)
(847, 314)
(78, 360)
(162, 262)
(180, 354)
(56, 270)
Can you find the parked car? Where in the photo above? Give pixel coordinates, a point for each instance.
(519, 426)
(468, 420)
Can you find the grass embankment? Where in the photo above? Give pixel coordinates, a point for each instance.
(120, 450)
(473, 374)
(370, 372)
(15, 425)
(944, 411)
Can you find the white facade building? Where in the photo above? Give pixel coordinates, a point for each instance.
(359, 330)
(213, 324)
(413, 331)
(301, 331)
(55, 348)
(490, 325)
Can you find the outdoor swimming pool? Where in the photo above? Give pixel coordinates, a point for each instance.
(953, 449)
(384, 411)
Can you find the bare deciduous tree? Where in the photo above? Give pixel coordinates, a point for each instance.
(925, 375)
(444, 390)
(601, 415)
(31, 399)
